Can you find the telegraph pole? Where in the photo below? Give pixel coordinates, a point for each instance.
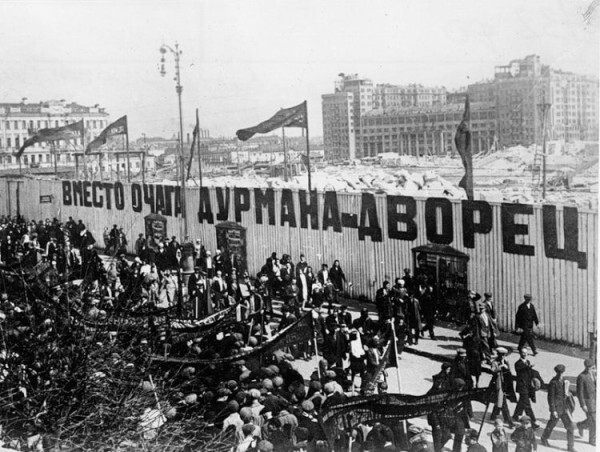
(179, 166)
(544, 107)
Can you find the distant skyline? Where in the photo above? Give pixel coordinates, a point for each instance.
(242, 60)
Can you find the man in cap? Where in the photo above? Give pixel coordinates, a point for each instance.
(524, 370)
(557, 402)
(503, 385)
(462, 412)
(460, 368)
(198, 292)
(525, 319)
(586, 393)
(470, 306)
(408, 280)
(344, 316)
(490, 310)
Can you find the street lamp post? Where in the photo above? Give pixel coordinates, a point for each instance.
(180, 173)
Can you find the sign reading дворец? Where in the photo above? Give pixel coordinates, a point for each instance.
(401, 218)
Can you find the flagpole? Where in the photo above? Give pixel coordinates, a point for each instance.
(487, 406)
(396, 352)
(285, 159)
(127, 149)
(144, 167)
(317, 356)
(198, 145)
(307, 149)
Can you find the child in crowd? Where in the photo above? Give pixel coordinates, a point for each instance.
(524, 436)
(499, 438)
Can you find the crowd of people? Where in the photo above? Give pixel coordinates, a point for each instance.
(270, 405)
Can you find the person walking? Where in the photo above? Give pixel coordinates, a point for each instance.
(490, 310)
(586, 393)
(557, 402)
(524, 436)
(525, 319)
(503, 385)
(338, 279)
(525, 375)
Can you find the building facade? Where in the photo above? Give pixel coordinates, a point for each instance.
(342, 110)
(403, 96)
(339, 136)
(19, 121)
(520, 88)
(414, 119)
(422, 131)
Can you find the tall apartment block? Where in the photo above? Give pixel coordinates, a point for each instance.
(361, 119)
(521, 87)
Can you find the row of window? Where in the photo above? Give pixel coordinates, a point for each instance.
(17, 141)
(46, 123)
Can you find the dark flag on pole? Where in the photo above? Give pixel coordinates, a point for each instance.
(462, 140)
(195, 139)
(286, 117)
(68, 132)
(119, 127)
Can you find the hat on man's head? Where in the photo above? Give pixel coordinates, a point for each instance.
(588, 363)
(265, 446)
(472, 433)
(559, 368)
(502, 350)
(459, 383)
(307, 406)
(527, 296)
(487, 294)
(524, 418)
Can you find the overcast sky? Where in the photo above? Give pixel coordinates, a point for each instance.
(244, 59)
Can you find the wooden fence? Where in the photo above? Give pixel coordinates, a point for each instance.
(564, 290)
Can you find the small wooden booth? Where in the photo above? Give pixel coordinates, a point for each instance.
(156, 229)
(231, 240)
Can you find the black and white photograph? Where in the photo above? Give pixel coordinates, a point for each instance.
(299, 226)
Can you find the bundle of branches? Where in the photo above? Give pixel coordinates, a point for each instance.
(88, 386)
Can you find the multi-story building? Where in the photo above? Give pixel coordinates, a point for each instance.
(506, 111)
(338, 126)
(18, 121)
(573, 114)
(521, 87)
(413, 95)
(425, 130)
(342, 111)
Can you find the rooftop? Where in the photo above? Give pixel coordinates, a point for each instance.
(50, 107)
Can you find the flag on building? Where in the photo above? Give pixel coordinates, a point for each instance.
(68, 132)
(462, 140)
(286, 117)
(119, 127)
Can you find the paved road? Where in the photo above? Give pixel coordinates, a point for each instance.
(419, 363)
(417, 368)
